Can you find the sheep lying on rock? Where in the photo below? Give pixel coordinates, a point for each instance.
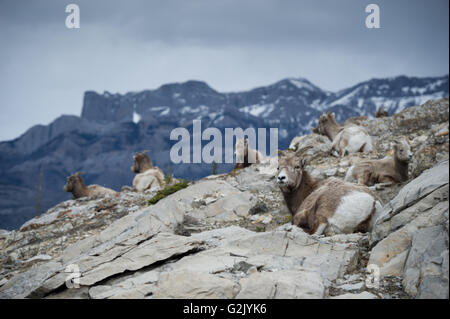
(329, 206)
(245, 155)
(345, 139)
(148, 176)
(76, 186)
(387, 171)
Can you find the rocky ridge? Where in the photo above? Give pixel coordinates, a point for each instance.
(113, 127)
(229, 235)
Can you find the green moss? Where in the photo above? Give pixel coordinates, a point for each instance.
(295, 148)
(260, 229)
(166, 191)
(287, 219)
(234, 172)
(168, 178)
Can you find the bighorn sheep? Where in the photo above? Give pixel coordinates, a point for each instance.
(148, 176)
(387, 171)
(346, 139)
(76, 186)
(245, 155)
(329, 206)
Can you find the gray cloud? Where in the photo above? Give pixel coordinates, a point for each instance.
(233, 45)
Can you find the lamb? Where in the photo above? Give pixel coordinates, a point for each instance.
(387, 171)
(148, 176)
(329, 206)
(346, 139)
(245, 155)
(76, 186)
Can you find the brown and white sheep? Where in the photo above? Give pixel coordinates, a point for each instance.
(245, 155)
(387, 171)
(148, 176)
(329, 206)
(76, 186)
(345, 139)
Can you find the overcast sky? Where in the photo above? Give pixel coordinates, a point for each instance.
(233, 45)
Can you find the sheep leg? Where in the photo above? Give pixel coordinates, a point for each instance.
(320, 229)
(380, 186)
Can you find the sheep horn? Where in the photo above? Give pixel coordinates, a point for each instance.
(303, 150)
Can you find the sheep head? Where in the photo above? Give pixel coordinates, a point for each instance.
(331, 117)
(241, 150)
(290, 172)
(73, 181)
(324, 121)
(402, 150)
(141, 162)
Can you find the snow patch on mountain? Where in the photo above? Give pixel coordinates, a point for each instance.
(259, 110)
(136, 117)
(302, 84)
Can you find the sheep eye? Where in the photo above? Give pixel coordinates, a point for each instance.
(297, 167)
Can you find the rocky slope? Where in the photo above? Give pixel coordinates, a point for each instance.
(112, 127)
(229, 235)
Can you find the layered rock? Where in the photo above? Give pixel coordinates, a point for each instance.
(411, 235)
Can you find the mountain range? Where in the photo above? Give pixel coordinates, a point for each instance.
(112, 127)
